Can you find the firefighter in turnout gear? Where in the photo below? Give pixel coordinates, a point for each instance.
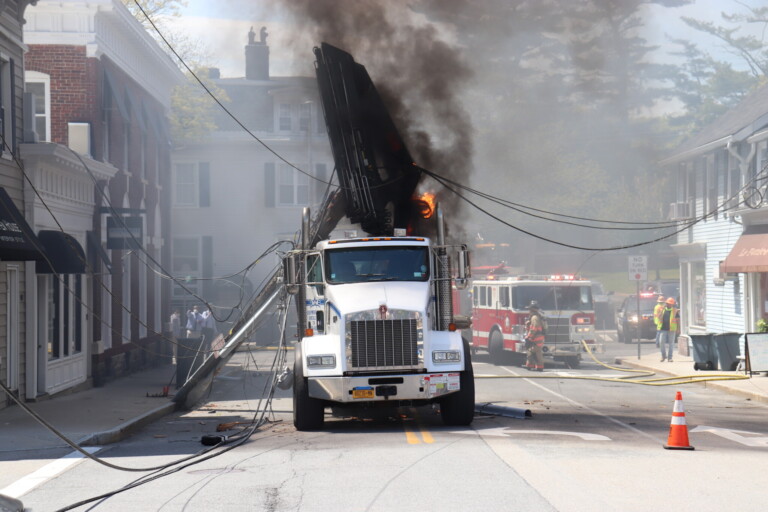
(534, 338)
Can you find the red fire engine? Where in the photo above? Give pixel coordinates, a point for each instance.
(500, 310)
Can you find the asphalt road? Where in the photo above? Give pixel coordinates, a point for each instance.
(590, 445)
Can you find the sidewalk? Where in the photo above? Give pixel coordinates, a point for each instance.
(95, 416)
(754, 388)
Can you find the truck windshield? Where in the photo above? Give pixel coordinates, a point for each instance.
(553, 297)
(366, 264)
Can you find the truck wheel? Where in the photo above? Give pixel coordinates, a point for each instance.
(573, 362)
(458, 409)
(308, 413)
(496, 347)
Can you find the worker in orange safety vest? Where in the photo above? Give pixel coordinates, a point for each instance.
(670, 325)
(658, 309)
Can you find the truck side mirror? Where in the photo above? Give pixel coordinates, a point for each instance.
(464, 270)
(289, 274)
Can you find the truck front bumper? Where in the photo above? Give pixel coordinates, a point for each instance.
(367, 388)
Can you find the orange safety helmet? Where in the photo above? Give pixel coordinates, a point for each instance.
(671, 301)
(660, 299)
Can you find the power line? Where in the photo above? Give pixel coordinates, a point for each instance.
(687, 225)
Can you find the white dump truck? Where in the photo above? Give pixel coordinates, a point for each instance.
(377, 328)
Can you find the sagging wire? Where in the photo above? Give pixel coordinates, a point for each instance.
(226, 444)
(629, 379)
(684, 227)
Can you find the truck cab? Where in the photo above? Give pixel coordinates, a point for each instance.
(378, 330)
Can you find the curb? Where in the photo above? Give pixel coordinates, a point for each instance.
(125, 429)
(754, 396)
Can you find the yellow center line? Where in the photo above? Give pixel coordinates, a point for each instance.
(410, 435)
(412, 438)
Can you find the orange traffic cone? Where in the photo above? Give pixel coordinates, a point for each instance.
(678, 430)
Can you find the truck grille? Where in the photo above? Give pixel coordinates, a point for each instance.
(384, 344)
(558, 330)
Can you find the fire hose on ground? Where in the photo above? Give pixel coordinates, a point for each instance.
(629, 379)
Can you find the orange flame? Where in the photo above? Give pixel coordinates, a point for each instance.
(427, 203)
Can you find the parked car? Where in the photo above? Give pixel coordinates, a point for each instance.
(629, 322)
(604, 310)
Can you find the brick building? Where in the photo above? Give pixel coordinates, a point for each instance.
(98, 90)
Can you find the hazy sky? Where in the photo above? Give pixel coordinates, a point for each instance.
(222, 27)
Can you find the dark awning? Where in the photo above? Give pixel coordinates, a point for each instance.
(63, 251)
(17, 240)
(750, 254)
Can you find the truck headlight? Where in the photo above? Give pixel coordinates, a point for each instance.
(446, 356)
(324, 361)
(582, 330)
(633, 319)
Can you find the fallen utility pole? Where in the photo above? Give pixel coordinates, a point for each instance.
(201, 379)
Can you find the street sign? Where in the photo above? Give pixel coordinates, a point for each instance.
(638, 268)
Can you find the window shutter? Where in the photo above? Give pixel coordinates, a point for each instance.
(269, 184)
(204, 180)
(321, 173)
(13, 106)
(206, 263)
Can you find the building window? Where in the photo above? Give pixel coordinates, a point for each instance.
(694, 305)
(39, 85)
(61, 301)
(6, 104)
(192, 184)
(305, 115)
(186, 264)
(292, 186)
(126, 307)
(106, 120)
(284, 119)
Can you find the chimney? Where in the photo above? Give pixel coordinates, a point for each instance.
(214, 73)
(257, 56)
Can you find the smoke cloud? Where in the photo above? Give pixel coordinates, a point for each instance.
(415, 67)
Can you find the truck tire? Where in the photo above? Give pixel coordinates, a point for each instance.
(308, 413)
(458, 409)
(572, 362)
(496, 347)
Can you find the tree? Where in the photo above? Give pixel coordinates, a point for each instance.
(192, 107)
(707, 88)
(157, 10)
(743, 45)
(560, 91)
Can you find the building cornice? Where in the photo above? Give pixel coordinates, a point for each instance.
(105, 28)
(63, 157)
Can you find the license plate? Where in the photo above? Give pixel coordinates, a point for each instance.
(362, 393)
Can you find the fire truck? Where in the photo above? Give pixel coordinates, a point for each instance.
(500, 311)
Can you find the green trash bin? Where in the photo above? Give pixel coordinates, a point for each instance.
(704, 355)
(727, 348)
